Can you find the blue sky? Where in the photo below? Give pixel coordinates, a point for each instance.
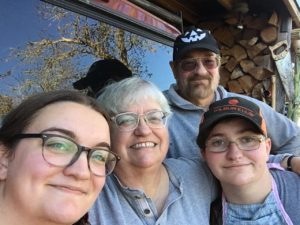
(19, 23)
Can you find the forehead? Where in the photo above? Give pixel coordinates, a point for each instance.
(69, 115)
(233, 125)
(198, 53)
(143, 105)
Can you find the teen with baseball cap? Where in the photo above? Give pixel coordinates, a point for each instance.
(234, 143)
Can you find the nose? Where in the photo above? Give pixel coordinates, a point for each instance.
(80, 168)
(233, 152)
(142, 127)
(200, 68)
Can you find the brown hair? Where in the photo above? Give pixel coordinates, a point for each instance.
(20, 118)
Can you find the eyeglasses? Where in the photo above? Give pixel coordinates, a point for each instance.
(190, 64)
(245, 143)
(62, 151)
(129, 121)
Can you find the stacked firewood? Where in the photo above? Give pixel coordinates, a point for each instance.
(247, 64)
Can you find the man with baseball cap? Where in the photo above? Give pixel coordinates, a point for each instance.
(234, 142)
(101, 73)
(195, 66)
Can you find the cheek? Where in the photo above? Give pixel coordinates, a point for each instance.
(98, 183)
(214, 161)
(31, 165)
(119, 141)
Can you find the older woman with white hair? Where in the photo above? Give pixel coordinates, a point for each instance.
(145, 189)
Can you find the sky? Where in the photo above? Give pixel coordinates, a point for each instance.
(20, 23)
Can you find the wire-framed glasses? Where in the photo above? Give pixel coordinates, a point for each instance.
(190, 64)
(245, 143)
(62, 151)
(129, 121)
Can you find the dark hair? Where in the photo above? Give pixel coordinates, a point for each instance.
(19, 118)
(101, 73)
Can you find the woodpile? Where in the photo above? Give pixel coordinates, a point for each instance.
(247, 64)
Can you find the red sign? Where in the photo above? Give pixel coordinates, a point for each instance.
(136, 13)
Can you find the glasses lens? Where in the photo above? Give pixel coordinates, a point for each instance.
(188, 65)
(209, 62)
(216, 144)
(248, 143)
(156, 119)
(102, 162)
(126, 121)
(59, 151)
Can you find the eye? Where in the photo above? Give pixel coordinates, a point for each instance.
(216, 142)
(188, 64)
(209, 62)
(125, 120)
(155, 117)
(99, 157)
(248, 139)
(60, 145)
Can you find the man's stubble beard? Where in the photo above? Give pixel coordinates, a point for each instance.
(202, 91)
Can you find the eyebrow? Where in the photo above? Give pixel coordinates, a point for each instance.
(72, 135)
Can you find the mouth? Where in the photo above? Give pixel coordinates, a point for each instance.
(200, 81)
(142, 145)
(233, 166)
(70, 189)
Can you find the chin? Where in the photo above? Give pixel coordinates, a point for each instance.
(66, 218)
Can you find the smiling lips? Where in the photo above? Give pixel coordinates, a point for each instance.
(143, 145)
(236, 165)
(70, 189)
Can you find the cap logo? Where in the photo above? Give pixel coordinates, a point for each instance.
(233, 102)
(193, 36)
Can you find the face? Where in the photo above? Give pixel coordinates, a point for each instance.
(60, 195)
(143, 147)
(199, 84)
(235, 167)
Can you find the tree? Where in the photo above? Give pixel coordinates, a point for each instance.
(59, 58)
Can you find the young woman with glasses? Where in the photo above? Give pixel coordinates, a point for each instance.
(54, 157)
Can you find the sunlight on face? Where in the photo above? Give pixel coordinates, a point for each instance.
(200, 83)
(56, 194)
(144, 146)
(235, 166)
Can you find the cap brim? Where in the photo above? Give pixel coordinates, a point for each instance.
(209, 123)
(194, 47)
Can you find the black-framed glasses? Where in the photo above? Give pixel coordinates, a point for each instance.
(245, 143)
(129, 121)
(62, 151)
(190, 64)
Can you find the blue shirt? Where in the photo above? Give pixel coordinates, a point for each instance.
(184, 125)
(192, 188)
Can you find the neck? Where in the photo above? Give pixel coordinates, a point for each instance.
(252, 193)
(203, 102)
(154, 183)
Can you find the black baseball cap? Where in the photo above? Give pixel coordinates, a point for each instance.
(101, 73)
(228, 108)
(194, 38)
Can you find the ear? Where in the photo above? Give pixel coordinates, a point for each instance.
(173, 68)
(3, 163)
(268, 146)
(203, 152)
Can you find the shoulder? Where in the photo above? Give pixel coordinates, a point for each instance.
(189, 169)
